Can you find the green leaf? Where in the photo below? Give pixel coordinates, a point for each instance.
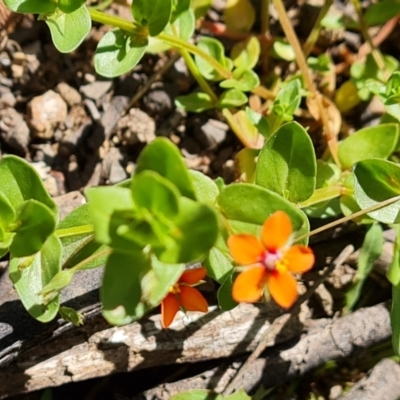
(80, 248)
(205, 188)
(260, 122)
(120, 291)
(163, 157)
(370, 251)
(288, 100)
(242, 8)
(200, 394)
(253, 204)
(69, 6)
(201, 7)
(218, 265)
(194, 234)
(20, 182)
(154, 14)
(328, 174)
(392, 90)
(283, 50)
(287, 163)
(376, 181)
(31, 6)
(379, 13)
(69, 30)
(29, 280)
(118, 53)
(108, 216)
(157, 281)
(232, 98)
(215, 49)
(243, 80)
(70, 315)
(245, 54)
(395, 319)
(61, 280)
(8, 213)
(155, 193)
(195, 102)
(373, 142)
(224, 295)
(394, 270)
(35, 224)
(178, 8)
(246, 162)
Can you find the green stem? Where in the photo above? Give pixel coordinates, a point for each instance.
(195, 71)
(93, 257)
(360, 213)
(77, 230)
(313, 36)
(376, 54)
(117, 22)
(323, 194)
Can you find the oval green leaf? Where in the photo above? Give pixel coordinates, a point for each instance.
(287, 163)
(31, 276)
(163, 157)
(153, 14)
(376, 181)
(253, 204)
(373, 142)
(117, 53)
(69, 30)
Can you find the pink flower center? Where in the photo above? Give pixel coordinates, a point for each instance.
(270, 260)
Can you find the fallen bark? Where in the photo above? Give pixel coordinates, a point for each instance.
(382, 382)
(96, 349)
(328, 340)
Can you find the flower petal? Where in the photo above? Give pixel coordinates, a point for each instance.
(249, 285)
(193, 300)
(276, 231)
(283, 288)
(192, 276)
(245, 249)
(299, 259)
(169, 308)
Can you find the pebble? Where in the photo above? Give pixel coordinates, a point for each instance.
(14, 130)
(69, 94)
(45, 112)
(159, 101)
(212, 133)
(7, 99)
(96, 90)
(112, 168)
(136, 127)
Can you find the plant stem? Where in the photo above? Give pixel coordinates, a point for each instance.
(195, 71)
(117, 22)
(360, 213)
(313, 36)
(77, 230)
(301, 62)
(376, 54)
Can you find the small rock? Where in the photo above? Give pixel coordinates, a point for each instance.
(212, 133)
(69, 94)
(136, 127)
(112, 168)
(7, 99)
(45, 112)
(93, 110)
(96, 90)
(335, 392)
(159, 101)
(14, 130)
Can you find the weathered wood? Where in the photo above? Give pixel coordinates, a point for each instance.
(382, 382)
(326, 340)
(35, 355)
(97, 349)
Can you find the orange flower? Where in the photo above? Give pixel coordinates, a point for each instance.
(270, 262)
(184, 295)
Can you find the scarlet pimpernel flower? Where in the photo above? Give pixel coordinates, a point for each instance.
(184, 295)
(269, 263)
